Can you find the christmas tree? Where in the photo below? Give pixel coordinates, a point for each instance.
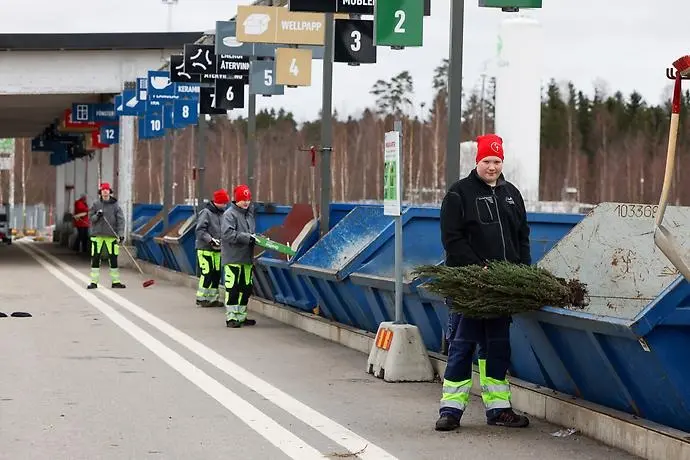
(500, 288)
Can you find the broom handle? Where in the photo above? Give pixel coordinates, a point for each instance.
(124, 247)
(670, 165)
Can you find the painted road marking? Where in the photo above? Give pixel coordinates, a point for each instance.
(336, 432)
(274, 433)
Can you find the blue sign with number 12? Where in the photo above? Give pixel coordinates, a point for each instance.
(110, 134)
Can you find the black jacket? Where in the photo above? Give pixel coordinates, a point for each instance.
(480, 223)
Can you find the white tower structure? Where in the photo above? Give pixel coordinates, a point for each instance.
(518, 100)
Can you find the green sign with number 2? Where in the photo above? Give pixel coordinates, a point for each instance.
(398, 22)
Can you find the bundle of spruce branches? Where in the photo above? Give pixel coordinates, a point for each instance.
(500, 289)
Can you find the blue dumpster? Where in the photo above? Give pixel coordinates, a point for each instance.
(142, 212)
(421, 245)
(301, 230)
(178, 243)
(144, 226)
(628, 349)
(177, 217)
(143, 237)
(326, 267)
(268, 215)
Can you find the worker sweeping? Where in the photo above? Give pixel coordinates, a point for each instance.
(237, 251)
(483, 218)
(208, 249)
(107, 230)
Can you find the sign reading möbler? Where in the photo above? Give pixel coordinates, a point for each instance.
(263, 24)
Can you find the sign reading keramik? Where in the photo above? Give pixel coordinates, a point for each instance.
(266, 24)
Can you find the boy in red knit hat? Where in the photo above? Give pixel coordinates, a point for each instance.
(237, 253)
(208, 249)
(483, 218)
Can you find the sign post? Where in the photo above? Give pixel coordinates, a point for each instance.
(392, 203)
(398, 353)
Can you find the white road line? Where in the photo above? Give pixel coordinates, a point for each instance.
(348, 439)
(274, 433)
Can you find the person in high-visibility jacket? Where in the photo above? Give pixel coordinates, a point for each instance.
(107, 232)
(237, 255)
(208, 249)
(483, 218)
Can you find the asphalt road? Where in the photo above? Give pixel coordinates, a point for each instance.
(144, 373)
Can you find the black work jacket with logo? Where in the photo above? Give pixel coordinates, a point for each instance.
(480, 223)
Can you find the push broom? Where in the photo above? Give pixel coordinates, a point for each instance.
(663, 239)
(146, 283)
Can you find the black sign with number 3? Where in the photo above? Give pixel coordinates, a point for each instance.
(354, 41)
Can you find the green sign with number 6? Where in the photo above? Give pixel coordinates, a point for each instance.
(398, 22)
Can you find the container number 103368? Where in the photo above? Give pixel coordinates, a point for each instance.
(636, 210)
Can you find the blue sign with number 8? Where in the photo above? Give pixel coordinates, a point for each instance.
(185, 113)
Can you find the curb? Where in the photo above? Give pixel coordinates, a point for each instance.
(617, 429)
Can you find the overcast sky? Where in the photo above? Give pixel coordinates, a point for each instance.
(627, 43)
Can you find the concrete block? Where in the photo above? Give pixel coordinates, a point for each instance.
(399, 354)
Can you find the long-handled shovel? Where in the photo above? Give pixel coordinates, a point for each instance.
(663, 239)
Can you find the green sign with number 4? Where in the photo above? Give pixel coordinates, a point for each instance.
(398, 22)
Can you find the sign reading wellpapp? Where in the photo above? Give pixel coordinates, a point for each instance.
(266, 24)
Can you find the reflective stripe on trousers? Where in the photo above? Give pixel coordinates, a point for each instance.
(112, 248)
(209, 265)
(495, 393)
(238, 289)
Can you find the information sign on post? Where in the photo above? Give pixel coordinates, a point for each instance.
(399, 23)
(392, 154)
(266, 24)
(293, 67)
(510, 3)
(262, 79)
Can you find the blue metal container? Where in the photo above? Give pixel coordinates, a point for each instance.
(142, 212)
(176, 243)
(421, 246)
(326, 267)
(628, 348)
(288, 288)
(178, 215)
(143, 238)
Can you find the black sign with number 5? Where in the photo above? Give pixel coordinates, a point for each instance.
(354, 41)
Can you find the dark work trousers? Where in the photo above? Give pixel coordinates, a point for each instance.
(82, 244)
(493, 338)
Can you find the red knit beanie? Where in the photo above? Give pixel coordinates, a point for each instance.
(489, 145)
(242, 193)
(221, 196)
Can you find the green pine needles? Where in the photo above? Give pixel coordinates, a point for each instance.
(501, 289)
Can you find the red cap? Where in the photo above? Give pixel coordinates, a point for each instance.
(242, 193)
(104, 186)
(221, 196)
(489, 145)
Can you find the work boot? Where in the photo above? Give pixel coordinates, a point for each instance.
(92, 286)
(118, 286)
(447, 423)
(203, 303)
(217, 304)
(507, 417)
(233, 323)
(249, 322)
